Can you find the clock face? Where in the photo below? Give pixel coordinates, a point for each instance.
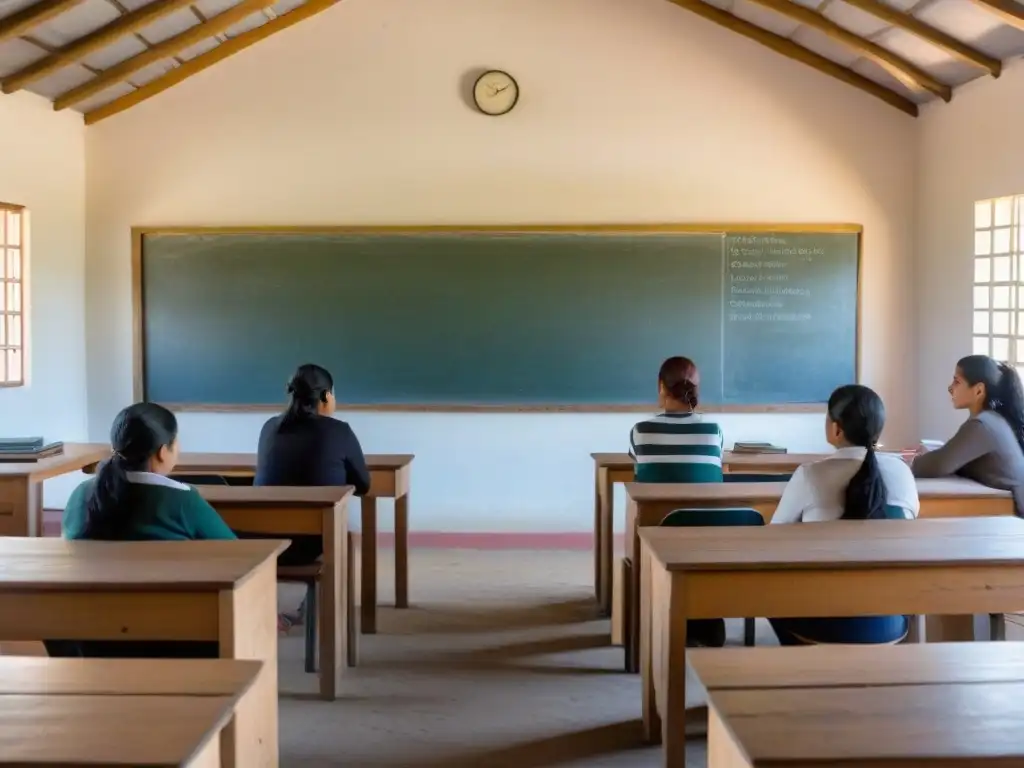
(495, 92)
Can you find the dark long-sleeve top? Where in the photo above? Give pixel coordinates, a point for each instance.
(985, 450)
(313, 451)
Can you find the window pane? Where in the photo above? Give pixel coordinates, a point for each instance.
(981, 296)
(3, 368)
(14, 331)
(981, 322)
(1000, 296)
(983, 214)
(13, 228)
(13, 297)
(1004, 211)
(3, 296)
(980, 345)
(1000, 323)
(1001, 348)
(983, 243)
(1019, 345)
(1001, 269)
(14, 263)
(1001, 240)
(14, 365)
(982, 270)
(3, 330)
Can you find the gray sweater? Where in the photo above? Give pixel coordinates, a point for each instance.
(985, 450)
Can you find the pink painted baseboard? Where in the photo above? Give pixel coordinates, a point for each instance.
(568, 540)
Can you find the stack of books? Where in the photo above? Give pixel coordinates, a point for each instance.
(20, 449)
(757, 448)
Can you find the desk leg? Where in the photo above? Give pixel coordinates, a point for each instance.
(352, 589)
(21, 507)
(402, 551)
(607, 541)
(631, 606)
(248, 630)
(649, 704)
(672, 672)
(368, 618)
(597, 536)
(333, 603)
(949, 629)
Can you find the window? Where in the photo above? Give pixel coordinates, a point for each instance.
(12, 295)
(999, 279)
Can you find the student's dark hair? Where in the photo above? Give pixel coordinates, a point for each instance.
(308, 387)
(1003, 392)
(136, 436)
(859, 412)
(681, 379)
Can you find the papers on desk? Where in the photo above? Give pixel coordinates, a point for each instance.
(21, 449)
(749, 447)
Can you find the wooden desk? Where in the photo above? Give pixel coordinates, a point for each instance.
(648, 503)
(226, 591)
(284, 512)
(845, 568)
(389, 479)
(71, 712)
(612, 468)
(21, 486)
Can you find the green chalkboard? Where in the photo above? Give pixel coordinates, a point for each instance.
(495, 318)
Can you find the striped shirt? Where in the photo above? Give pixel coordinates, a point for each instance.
(677, 448)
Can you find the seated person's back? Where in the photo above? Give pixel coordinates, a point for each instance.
(677, 446)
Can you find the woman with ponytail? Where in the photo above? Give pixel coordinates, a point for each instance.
(989, 447)
(677, 445)
(854, 483)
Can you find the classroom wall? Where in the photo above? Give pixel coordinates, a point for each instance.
(630, 112)
(969, 150)
(42, 166)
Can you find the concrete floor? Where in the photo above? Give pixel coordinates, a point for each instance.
(499, 663)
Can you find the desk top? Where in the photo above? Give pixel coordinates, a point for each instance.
(844, 544)
(246, 462)
(927, 488)
(823, 666)
(136, 731)
(784, 727)
(275, 495)
(784, 461)
(47, 564)
(36, 675)
(75, 456)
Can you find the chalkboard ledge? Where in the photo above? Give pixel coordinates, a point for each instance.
(497, 408)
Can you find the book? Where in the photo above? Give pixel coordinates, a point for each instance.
(20, 456)
(754, 447)
(20, 444)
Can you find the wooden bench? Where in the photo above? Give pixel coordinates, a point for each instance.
(73, 712)
(389, 479)
(845, 568)
(222, 591)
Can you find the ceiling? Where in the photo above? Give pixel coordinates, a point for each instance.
(101, 57)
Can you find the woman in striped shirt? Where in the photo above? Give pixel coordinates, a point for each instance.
(677, 446)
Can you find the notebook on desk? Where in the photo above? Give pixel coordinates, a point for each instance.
(22, 449)
(748, 447)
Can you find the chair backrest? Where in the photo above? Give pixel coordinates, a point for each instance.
(893, 512)
(757, 477)
(200, 479)
(732, 516)
(658, 472)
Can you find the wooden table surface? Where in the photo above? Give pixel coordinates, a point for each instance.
(274, 495)
(75, 456)
(132, 731)
(39, 565)
(245, 463)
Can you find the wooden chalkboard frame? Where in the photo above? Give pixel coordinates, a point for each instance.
(138, 233)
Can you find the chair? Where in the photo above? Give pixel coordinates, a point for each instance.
(709, 518)
(200, 479)
(756, 477)
(310, 576)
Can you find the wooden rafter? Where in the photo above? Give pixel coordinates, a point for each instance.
(1009, 11)
(903, 70)
(790, 49)
(208, 59)
(94, 41)
(22, 21)
(159, 51)
(929, 34)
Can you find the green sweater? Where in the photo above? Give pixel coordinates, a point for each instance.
(161, 509)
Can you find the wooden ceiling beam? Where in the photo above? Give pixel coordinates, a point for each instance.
(911, 75)
(159, 51)
(20, 22)
(1009, 11)
(78, 49)
(796, 52)
(208, 59)
(929, 34)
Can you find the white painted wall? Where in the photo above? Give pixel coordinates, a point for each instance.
(631, 111)
(42, 166)
(969, 150)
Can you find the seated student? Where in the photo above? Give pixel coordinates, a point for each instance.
(305, 445)
(133, 499)
(677, 446)
(989, 446)
(855, 483)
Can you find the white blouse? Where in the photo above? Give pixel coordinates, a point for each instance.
(817, 491)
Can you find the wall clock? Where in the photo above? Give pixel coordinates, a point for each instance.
(495, 92)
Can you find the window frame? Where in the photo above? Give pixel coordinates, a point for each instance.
(997, 285)
(13, 278)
